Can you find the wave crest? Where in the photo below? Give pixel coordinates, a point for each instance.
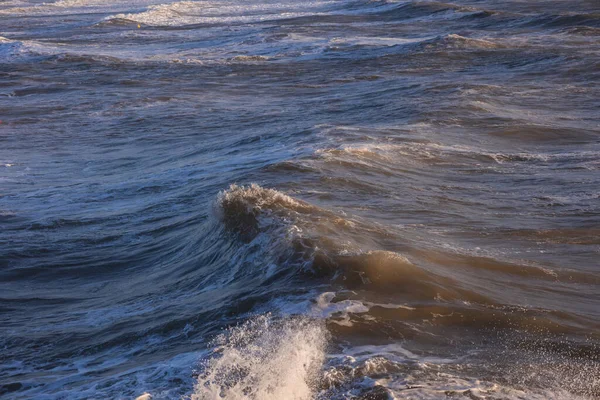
(457, 42)
(241, 206)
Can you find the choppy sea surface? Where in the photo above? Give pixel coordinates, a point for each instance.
(293, 200)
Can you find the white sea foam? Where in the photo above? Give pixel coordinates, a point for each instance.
(430, 152)
(255, 199)
(210, 12)
(376, 41)
(326, 308)
(265, 359)
(18, 50)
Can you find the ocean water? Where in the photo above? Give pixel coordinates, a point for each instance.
(294, 200)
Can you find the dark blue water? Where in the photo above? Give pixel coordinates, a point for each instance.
(299, 199)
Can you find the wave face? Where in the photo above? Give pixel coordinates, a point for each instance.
(307, 200)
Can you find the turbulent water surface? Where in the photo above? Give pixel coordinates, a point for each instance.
(288, 199)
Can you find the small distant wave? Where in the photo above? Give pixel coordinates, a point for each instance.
(432, 153)
(457, 42)
(117, 22)
(382, 46)
(9, 49)
(582, 31)
(179, 13)
(194, 13)
(565, 20)
(74, 58)
(249, 58)
(25, 51)
(420, 9)
(76, 3)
